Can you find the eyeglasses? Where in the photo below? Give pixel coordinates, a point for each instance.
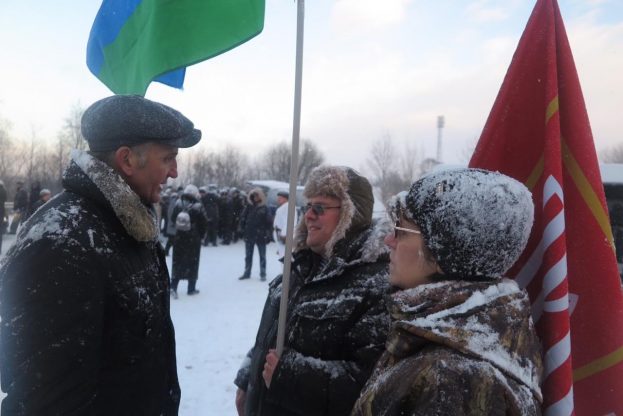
(317, 209)
(397, 228)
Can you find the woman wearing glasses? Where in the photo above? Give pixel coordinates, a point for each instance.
(337, 320)
(462, 341)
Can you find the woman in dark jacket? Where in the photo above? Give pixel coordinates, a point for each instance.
(462, 341)
(337, 322)
(256, 224)
(187, 243)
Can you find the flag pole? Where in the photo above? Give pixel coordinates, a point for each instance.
(294, 169)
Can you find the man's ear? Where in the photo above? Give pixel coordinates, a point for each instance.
(124, 160)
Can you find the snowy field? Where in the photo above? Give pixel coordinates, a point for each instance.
(214, 329)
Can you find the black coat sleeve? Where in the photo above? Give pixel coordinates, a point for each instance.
(202, 220)
(242, 377)
(313, 386)
(51, 304)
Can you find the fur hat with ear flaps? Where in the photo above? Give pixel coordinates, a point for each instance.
(475, 222)
(355, 193)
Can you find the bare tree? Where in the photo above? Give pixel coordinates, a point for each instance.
(383, 164)
(393, 172)
(310, 157)
(6, 150)
(229, 167)
(202, 168)
(612, 154)
(69, 137)
(410, 163)
(72, 127)
(254, 170)
(276, 161)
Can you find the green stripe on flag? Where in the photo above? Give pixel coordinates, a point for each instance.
(164, 35)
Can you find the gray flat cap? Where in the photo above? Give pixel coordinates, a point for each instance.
(129, 120)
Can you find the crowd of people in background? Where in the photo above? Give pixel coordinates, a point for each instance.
(25, 203)
(227, 215)
(218, 217)
(222, 208)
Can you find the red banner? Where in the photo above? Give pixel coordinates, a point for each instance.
(538, 132)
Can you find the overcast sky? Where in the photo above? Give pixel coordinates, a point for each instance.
(371, 68)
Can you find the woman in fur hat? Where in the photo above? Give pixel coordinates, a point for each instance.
(462, 341)
(337, 320)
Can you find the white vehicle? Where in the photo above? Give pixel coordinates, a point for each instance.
(271, 187)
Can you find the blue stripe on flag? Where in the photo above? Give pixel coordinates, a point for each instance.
(173, 79)
(110, 19)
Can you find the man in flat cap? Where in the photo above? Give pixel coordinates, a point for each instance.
(84, 292)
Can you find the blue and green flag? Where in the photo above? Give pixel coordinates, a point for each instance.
(134, 42)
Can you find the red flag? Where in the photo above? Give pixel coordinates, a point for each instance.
(538, 132)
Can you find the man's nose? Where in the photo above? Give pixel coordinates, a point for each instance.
(173, 170)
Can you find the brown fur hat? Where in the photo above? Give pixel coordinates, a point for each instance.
(355, 193)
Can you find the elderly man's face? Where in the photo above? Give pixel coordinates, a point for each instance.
(320, 228)
(157, 164)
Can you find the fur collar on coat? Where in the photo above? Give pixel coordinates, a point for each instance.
(138, 219)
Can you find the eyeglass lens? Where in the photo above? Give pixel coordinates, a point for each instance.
(317, 209)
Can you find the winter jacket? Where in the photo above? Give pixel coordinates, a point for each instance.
(225, 215)
(237, 205)
(210, 203)
(20, 203)
(187, 245)
(457, 348)
(84, 302)
(336, 330)
(256, 221)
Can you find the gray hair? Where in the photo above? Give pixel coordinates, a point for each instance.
(108, 156)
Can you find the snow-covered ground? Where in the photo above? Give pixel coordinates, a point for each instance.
(214, 329)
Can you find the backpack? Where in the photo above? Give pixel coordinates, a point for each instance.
(182, 221)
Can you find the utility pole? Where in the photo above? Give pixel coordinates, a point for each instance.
(440, 124)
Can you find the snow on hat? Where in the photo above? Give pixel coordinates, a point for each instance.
(45, 191)
(355, 193)
(475, 222)
(129, 120)
(191, 190)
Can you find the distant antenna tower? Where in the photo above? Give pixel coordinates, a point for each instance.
(440, 124)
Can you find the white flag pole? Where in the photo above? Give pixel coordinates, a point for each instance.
(294, 169)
